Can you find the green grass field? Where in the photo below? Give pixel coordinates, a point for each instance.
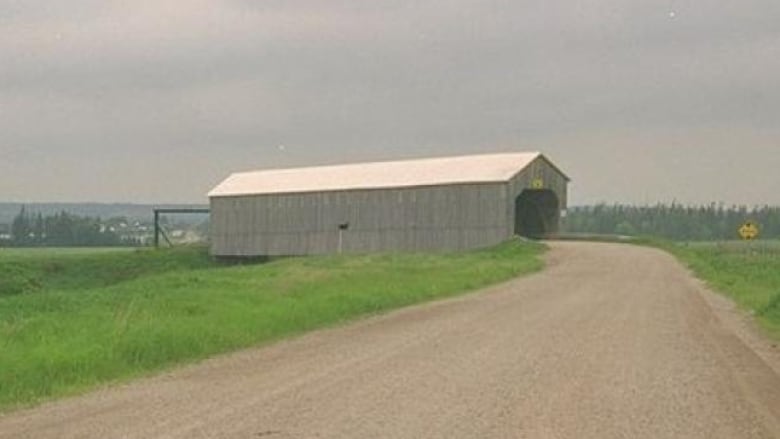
(71, 320)
(748, 272)
(39, 269)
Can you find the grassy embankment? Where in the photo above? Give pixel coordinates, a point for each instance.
(72, 320)
(747, 272)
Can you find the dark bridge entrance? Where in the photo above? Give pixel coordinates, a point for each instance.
(537, 213)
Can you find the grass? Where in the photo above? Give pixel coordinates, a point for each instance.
(102, 317)
(37, 252)
(747, 272)
(39, 269)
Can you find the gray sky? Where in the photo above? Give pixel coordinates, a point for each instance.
(157, 101)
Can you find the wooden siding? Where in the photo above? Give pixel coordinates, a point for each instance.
(451, 217)
(426, 218)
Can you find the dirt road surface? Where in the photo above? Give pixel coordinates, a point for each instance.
(611, 341)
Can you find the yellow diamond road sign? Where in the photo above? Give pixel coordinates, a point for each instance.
(537, 183)
(748, 231)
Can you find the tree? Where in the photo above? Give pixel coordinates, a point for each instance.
(39, 229)
(674, 221)
(20, 228)
(61, 229)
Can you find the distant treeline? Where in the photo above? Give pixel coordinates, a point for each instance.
(672, 221)
(62, 230)
(132, 212)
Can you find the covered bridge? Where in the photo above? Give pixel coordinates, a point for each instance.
(447, 203)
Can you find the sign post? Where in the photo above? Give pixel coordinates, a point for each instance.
(342, 228)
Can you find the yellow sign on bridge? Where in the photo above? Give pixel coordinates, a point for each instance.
(749, 231)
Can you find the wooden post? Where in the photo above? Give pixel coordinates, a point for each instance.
(342, 228)
(156, 228)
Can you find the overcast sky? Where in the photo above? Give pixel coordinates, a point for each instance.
(157, 101)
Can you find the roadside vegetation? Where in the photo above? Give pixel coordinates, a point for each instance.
(72, 320)
(747, 272)
(33, 270)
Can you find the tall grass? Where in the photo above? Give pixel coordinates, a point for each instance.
(102, 318)
(39, 269)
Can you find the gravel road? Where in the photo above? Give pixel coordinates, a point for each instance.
(610, 341)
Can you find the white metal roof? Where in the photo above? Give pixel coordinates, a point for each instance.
(376, 175)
